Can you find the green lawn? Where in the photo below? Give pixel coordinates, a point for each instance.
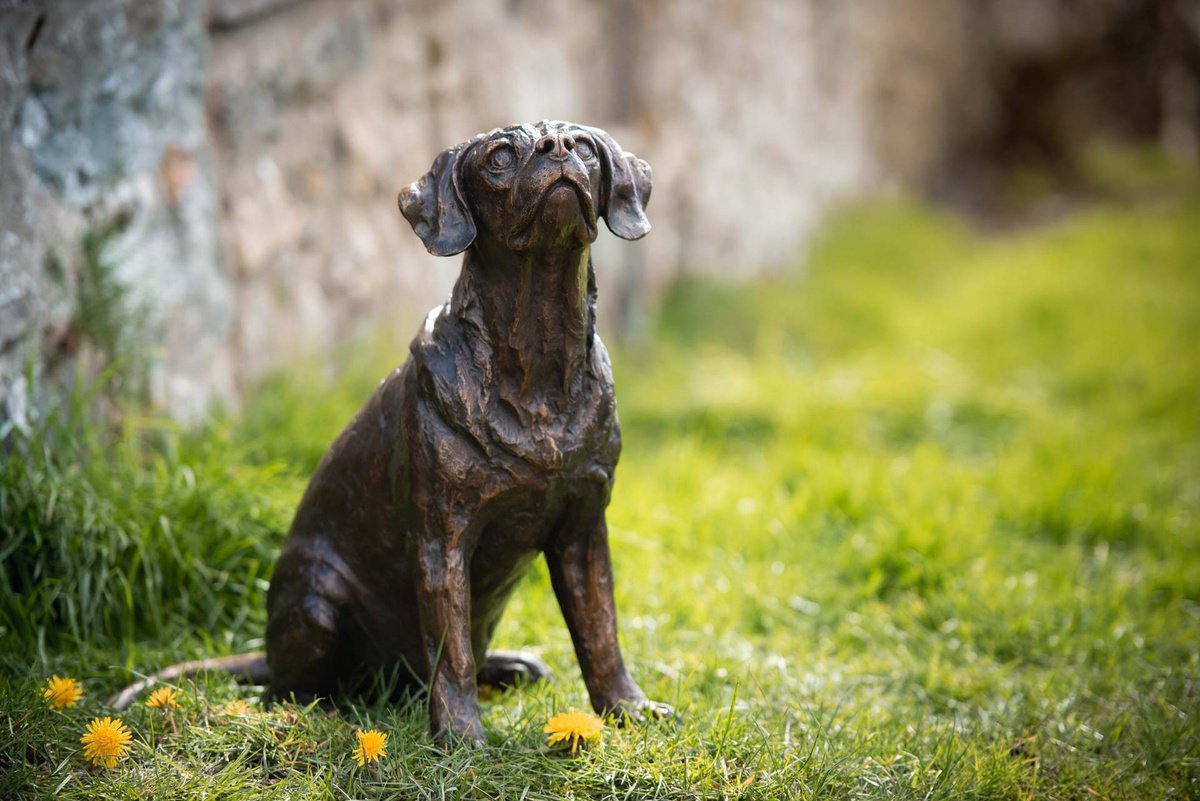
(920, 521)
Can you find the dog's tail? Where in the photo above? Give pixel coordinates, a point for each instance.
(251, 667)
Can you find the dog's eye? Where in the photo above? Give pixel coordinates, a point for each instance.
(583, 148)
(501, 158)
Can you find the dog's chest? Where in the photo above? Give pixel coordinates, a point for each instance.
(518, 432)
(561, 444)
(559, 433)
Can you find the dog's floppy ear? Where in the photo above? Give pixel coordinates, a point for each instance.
(435, 206)
(626, 189)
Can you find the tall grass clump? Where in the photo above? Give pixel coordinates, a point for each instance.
(144, 532)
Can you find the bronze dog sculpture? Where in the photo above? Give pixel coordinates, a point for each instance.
(497, 439)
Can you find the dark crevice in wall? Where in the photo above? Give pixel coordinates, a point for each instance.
(35, 32)
(226, 15)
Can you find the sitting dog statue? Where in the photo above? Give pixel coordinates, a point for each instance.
(497, 439)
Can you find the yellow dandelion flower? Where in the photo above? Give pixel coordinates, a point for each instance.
(238, 706)
(163, 698)
(573, 727)
(62, 692)
(106, 741)
(371, 746)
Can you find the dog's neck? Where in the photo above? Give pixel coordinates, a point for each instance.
(534, 311)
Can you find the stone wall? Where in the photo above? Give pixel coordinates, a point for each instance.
(205, 189)
(109, 203)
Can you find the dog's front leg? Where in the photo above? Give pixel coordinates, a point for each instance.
(443, 598)
(581, 573)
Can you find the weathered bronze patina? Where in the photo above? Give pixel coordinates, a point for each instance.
(496, 440)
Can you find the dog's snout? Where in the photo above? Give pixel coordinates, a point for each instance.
(556, 145)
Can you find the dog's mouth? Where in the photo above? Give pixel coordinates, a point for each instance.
(562, 208)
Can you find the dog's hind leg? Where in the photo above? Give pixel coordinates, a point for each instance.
(307, 611)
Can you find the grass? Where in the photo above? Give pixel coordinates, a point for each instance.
(921, 521)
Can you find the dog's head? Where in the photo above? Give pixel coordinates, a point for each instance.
(528, 186)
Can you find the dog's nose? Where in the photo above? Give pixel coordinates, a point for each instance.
(556, 145)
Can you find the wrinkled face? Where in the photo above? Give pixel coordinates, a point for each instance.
(531, 186)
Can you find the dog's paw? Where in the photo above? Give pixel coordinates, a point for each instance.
(449, 738)
(454, 722)
(640, 711)
(505, 669)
